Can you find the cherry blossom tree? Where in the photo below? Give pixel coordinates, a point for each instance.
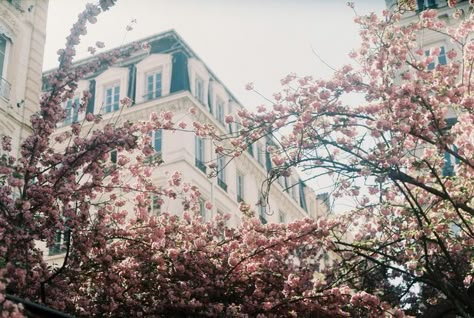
(394, 130)
(407, 246)
(120, 261)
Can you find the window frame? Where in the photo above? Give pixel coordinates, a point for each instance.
(281, 217)
(113, 76)
(61, 240)
(302, 196)
(5, 86)
(155, 207)
(157, 137)
(261, 209)
(239, 179)
(153, 63)
(71, 112)
(441, 59)
(200, 153)
(199, 89)
(146, 96)
(221, 174)
(4, 60)
(114, 103)
(450, 162)
(220, 110)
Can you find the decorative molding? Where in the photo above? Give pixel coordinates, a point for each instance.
(8, 24)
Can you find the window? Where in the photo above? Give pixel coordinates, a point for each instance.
(16, 4)
(425, 4)
(281, 217)
(221, 173)
(112, 98)
(153, 85)
(261, 209)
(61, 241)
(250, 148)
(302, 196)
(268, 161)
(220, 110)
(442, 60)
(157, 139)
(71, 111)
(4, 85)
(113, 156)
(260, 155)
(3, 54)
(324, 198)
(240, 187)
(155, 205)
(202, 210)
(450, 162)
(200, 154)
(199, 89)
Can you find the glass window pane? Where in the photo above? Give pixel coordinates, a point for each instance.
(3, 48)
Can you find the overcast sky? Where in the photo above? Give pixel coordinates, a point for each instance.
(241, 41)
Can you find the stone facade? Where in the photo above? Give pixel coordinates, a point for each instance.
(22, 39)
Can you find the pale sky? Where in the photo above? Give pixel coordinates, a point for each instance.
(241, 41)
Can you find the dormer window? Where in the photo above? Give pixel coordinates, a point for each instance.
(112, 98)
(153, 85)
(71, 111)
(153, 77)
(220, 113)
(111, 87)
(199, 81)
(199, 89)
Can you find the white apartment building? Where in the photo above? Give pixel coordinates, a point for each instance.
(428, 40)
(171, 77)
(22, 38)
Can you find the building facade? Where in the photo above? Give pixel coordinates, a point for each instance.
(22, 39)
(171, 77)
(429, 40)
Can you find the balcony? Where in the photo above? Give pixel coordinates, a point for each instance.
(200, 165)
(5, 88)
(222, 184)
